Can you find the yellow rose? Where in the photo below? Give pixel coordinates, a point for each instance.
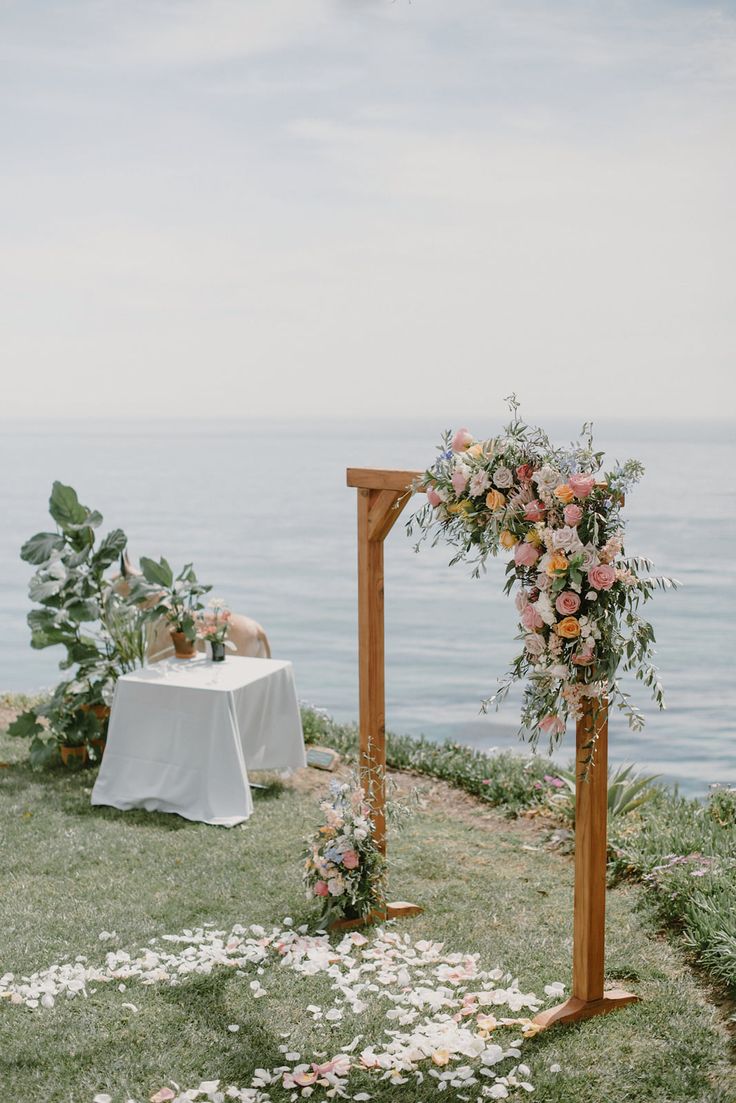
(568, 628)
(557, 562)
(495, 499)
(476, 451)
(507, 539)
(564, 493)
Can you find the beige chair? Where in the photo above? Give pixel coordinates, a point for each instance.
(245, 633)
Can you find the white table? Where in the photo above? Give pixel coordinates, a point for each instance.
(184, 732)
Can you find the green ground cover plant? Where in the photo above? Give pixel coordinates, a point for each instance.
(488, 886)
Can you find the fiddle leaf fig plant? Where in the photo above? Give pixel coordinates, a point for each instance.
(102, 631)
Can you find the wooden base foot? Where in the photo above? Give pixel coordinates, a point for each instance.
(398, 910)
(401, 910)
(574, 1009)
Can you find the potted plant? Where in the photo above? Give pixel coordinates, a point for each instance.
(102, 630)
(213, 626)
(175, 598)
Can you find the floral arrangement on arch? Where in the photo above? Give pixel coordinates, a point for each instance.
(559, 515)
(343, 867)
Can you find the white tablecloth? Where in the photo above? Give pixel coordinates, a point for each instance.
(184, 733)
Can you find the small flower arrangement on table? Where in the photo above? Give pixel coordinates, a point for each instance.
(213, 625)
(343, 867)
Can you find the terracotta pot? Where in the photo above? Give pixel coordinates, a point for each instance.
(99, 746)
(183, 647)
(102, 712)
(77, 755)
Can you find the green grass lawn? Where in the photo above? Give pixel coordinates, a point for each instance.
(71, 871)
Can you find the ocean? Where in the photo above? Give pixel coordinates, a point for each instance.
(262, 510)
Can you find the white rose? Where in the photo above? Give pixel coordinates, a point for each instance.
(566, 539)
(545, 609)
(534, 644)
(590, 556)
(503, 478)
(479, 483)
(547, 478)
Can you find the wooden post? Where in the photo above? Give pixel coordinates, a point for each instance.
(589, 921)
(382, 496)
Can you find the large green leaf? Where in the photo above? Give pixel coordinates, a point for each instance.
(39, 589)
(38, 549)
(83, 609)
(25, 726)
(65, 507)
(49, 637)
(110, 548)
(158, 574)
(43, 751)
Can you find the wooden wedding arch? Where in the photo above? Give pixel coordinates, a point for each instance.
(382, 495)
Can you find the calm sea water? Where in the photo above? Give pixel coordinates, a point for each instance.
(263, 511)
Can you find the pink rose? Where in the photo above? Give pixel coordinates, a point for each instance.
(321, 889)
(534, 511)
(350, 859)
(459, 480)
(573, 515)
(433, 497)
(531, 618)
(584, 657)
(567, 603)
(602, 577)
(581, 485)
(551, 725)
(462, 440)
(525, 555)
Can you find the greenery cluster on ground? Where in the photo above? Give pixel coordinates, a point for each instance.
(682, 850)
(486, 881)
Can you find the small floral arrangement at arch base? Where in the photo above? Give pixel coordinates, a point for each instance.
(343, 868)
(558, 513)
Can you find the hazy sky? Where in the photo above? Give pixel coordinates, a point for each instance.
(353, 207)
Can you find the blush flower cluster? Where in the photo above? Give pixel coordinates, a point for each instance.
(343, 868)
(557, 513)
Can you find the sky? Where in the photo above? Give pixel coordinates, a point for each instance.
(354, 208)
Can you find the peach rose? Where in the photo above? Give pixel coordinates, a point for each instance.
(568, 629)
(534, 511)
(581, 485)
(557, 562)
(602, 577)
(567, 603)
(573, 515)
(525, 555)
(507, 539)
(495, 499)
(462, 440)
(564, 493)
